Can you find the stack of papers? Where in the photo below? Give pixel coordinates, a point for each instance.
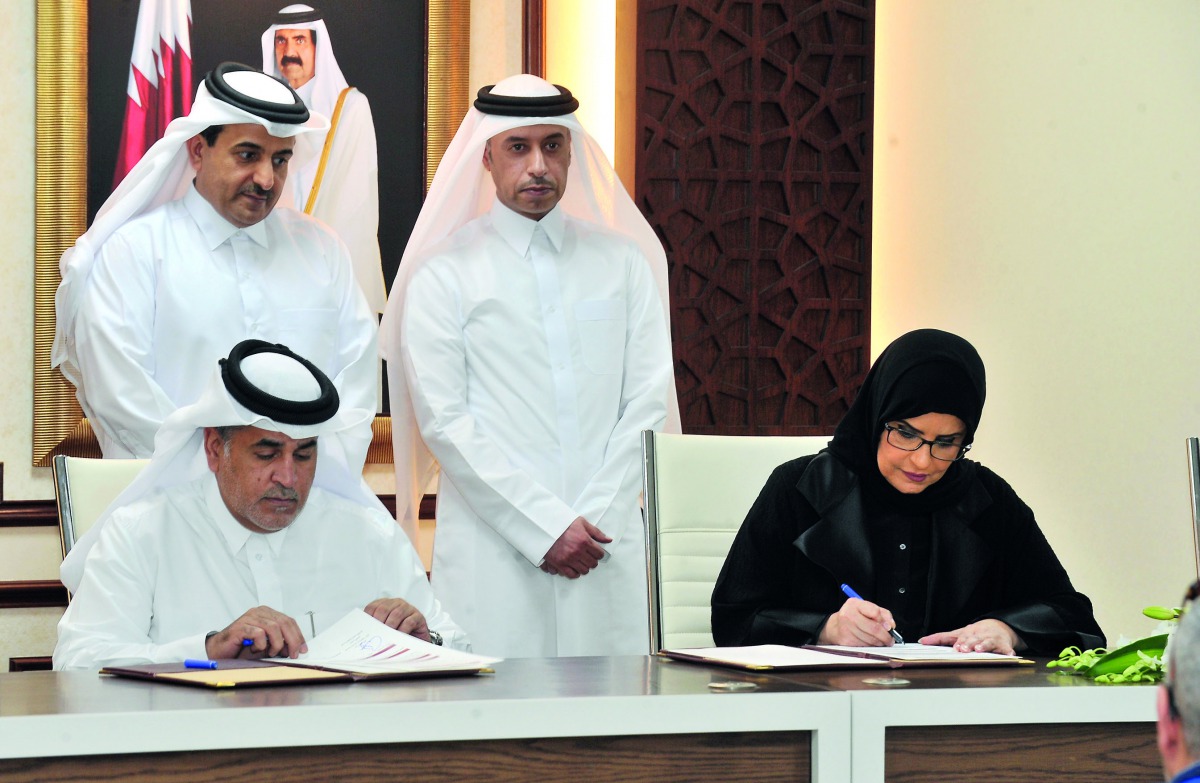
(776, 656)
(361, 645)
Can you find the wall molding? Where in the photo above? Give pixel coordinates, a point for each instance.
(30, 593)
(37, 663)
(28, 513)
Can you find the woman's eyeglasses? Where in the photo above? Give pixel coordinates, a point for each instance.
(938, 449)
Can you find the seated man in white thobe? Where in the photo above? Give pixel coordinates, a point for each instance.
(174, 270)
(528, 344)
(245, 526)
(341, 186)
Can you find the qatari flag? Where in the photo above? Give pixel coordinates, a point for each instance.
(160, 78)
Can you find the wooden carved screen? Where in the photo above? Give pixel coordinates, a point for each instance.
(754, 166)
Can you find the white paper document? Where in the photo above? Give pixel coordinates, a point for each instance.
(916, 652)
(772, 656)
(360, 644)
(777, 656)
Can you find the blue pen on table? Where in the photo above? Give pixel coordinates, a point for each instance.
(849, 591)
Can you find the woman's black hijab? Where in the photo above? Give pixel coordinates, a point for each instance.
(926, 371)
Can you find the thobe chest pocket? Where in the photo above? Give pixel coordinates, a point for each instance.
(601, 324)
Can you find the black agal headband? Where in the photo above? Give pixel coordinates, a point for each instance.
(299, 412)
(294, 113)
(526, 105)
(297, 17)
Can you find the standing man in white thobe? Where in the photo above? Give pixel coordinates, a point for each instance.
(340, 187)
(528, 341)
(189, 255)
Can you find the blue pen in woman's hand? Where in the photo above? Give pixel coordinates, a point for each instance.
(850, 593)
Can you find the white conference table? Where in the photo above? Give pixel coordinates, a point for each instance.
(1011, 723)
(595, 719)
(624, 718)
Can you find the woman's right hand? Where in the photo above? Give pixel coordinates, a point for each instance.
(858, 623)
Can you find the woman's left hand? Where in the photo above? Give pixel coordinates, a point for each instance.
(983, 636)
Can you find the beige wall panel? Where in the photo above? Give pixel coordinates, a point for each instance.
(29, 553)
(496, 41)
(1037, 176)
(21, 480)
(27, 633)
(581, 55)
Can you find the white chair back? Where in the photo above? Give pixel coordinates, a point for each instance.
(84, 487)
(697, 490)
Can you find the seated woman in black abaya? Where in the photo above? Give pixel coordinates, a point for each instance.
(941, 548)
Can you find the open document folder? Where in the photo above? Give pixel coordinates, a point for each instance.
(765, 657)
(357, 647)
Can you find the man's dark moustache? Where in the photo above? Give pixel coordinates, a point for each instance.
(290, 60)
(256, 190)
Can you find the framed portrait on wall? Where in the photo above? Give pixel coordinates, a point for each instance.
(379, 46)
(409, 59)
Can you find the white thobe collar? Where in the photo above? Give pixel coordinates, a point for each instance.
(517, 230)
(234, 533)
(215, 228)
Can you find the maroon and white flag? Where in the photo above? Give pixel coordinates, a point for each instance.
(160, 78)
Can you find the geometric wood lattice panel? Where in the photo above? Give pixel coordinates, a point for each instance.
(754, 123)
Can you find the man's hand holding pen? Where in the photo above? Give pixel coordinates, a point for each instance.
(271, 634)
